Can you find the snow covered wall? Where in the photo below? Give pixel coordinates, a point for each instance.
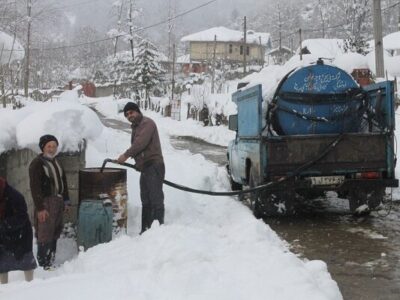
(66, 119)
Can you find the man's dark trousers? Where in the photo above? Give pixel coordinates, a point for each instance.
(151, 194)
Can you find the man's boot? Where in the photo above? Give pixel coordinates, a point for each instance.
(44, 254)
(147, 218)
(159, 215)
(53, 252)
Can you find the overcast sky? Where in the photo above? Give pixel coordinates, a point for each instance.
(98, 12)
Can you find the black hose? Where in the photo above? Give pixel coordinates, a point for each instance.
(188, 189)
(235, 193)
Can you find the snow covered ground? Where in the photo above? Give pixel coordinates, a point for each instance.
(209, 248)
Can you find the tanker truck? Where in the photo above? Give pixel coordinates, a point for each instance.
(320, 132)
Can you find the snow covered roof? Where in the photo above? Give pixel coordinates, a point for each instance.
(67, 119)
(185, 59)
(283, 49)
(227, 35)
(328, 48)
(392, 41)
(11, 49)
(163, 58)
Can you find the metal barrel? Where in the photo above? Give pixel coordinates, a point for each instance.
(110, 184)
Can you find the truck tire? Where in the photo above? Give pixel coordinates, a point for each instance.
(234, 185)
(363, 200)
(255, 198)
(271, 203)
(278, 203)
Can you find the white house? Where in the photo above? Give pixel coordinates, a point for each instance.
(228, 45)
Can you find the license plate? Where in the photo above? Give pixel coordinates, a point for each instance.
(327, 180)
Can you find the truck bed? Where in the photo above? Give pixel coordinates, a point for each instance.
(355, 152)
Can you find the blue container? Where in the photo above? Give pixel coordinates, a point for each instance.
(95, 223)
(317, 99)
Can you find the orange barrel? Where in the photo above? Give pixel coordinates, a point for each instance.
(109, 185)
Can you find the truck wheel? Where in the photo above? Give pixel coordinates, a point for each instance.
(362, 201)
(279, 203)
(271, 203)
(255, 198)
(234, 185)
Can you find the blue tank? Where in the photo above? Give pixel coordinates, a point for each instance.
(317, 99)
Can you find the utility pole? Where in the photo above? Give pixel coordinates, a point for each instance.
(262, 52)
(322, 18)
(119, 29)
(399, 19)
(280, 31)
(379, 63)
(244, 44)
(291, 43)
(300, 42)
(213, 65)
(28, 49)
(170, 28)
(131, 29)
(280, 58)
(173, 72)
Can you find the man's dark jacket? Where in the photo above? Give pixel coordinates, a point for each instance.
(42, 185)
(15, 228)
(145, 143)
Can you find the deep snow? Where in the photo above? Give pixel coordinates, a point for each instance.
(209, 248)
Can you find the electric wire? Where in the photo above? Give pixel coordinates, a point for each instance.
(125, 34)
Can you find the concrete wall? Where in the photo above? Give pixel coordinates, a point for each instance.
(14, 166)
(104, 91)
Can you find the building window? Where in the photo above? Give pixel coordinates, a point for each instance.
(241, 49)
(248, 50)
(230, 48)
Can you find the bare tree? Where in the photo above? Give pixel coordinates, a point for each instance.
(28, 46)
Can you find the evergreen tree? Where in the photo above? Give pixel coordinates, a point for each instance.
(148, 71)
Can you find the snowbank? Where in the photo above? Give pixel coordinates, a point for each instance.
(391, 64)
(69, 121)
(392, 41)
(325, 48)
(351, 61)
(161, 102)
(107, 106)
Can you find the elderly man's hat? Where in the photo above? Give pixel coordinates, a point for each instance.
(45, 139)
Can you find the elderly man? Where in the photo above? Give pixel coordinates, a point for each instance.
(50, 195)
(146, 150)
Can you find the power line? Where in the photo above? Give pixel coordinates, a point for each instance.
(126, 34)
